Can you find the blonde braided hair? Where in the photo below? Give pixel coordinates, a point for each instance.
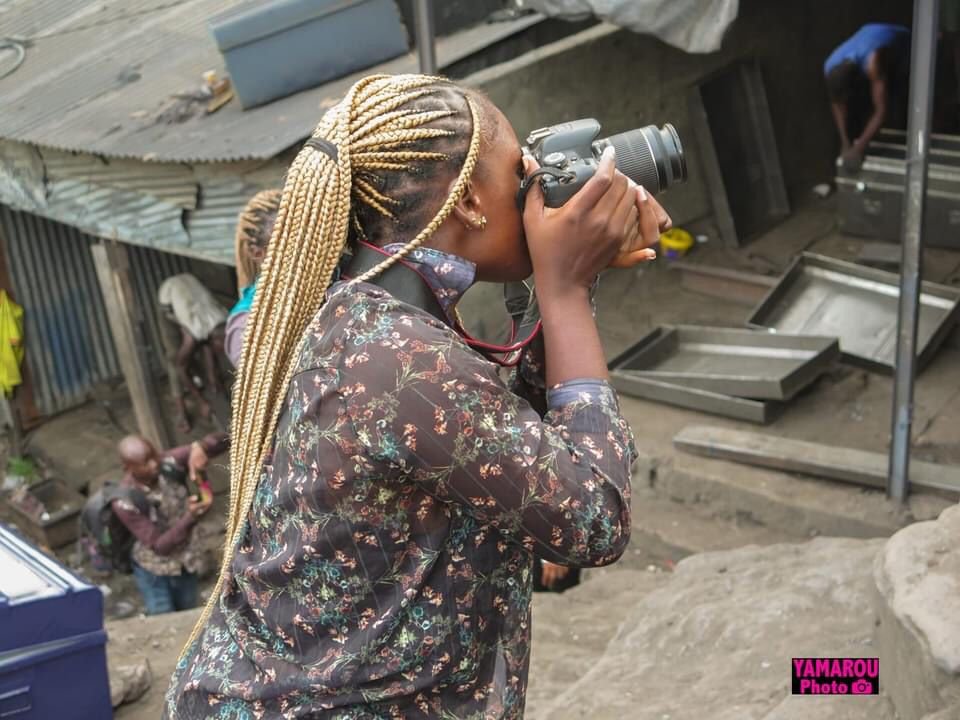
(379, 126)
(250, 226)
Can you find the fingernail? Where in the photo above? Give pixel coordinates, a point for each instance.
(609, 153)
(643, 193)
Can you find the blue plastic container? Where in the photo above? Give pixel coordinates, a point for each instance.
(52, 644)
(274, 48)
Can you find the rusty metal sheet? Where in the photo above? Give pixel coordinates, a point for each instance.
(69, 346)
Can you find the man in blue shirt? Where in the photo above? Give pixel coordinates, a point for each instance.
(867, 82)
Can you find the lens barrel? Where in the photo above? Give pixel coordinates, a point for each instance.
(650, 156)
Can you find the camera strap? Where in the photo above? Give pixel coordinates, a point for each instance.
(527, 182)
(400, 280)
(405, 283)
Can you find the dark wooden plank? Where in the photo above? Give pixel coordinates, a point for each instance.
(836, 463)
(710, 166)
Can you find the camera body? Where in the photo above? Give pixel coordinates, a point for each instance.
(569, 155)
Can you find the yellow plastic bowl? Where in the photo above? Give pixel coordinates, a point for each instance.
(676, 242)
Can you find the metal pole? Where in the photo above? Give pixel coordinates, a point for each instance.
(922, 67)
(423, 19)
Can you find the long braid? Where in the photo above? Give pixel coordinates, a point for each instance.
(379, 128)
(251, 224)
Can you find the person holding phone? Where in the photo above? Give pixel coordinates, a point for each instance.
(168, 555)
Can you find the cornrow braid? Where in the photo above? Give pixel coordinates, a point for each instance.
(387, 131)
(251, 224)
(452, 199)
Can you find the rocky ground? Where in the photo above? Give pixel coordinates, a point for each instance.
(714, 636)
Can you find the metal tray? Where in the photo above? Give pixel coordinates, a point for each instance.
(831, 298)
(742, 363)
(635, 385)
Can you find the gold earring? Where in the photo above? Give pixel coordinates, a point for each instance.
(481, 222)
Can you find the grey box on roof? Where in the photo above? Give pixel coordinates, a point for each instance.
(274, 48)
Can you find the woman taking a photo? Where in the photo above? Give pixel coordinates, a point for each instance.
(389, 491)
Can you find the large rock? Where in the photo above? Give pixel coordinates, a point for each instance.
(918, 604)
(716, 641)
(571, 630)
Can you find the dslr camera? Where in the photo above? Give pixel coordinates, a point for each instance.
(569, 155)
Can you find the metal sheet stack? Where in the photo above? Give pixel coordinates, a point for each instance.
(870, 198)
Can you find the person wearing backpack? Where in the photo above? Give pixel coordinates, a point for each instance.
(161, 513)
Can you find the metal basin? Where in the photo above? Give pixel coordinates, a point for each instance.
(822, 296)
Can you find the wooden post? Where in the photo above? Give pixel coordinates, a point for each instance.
(113, 271)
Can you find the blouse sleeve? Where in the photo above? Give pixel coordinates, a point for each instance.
(435, 412)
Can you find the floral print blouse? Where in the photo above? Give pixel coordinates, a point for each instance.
(386, 566)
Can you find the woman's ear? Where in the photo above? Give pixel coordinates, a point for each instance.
(469, 210)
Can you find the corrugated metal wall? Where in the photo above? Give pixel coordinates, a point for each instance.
(149, 268)
(69, 346)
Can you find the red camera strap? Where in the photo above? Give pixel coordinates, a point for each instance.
(406, 283)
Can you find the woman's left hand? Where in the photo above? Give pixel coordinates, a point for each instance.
(553, 573)
(643, 230)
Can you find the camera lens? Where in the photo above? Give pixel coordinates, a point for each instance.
(650, 156)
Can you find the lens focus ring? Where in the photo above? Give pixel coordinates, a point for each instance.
(635, 159)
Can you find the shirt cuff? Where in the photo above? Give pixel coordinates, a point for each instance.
(578, 389)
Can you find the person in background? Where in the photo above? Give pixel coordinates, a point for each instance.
(168, 553)
(191, 322)
(254, 227)
(867, 78)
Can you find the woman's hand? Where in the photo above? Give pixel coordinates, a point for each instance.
(570, 245)
(553, 574)
(646, 222)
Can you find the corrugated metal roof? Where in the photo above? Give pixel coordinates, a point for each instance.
(169, 182)
(99, 71)
(212, 226)
(172, 207)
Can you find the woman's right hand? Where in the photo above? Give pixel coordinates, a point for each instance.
(571, 244)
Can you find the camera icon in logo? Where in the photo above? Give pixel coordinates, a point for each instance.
(861, 687)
